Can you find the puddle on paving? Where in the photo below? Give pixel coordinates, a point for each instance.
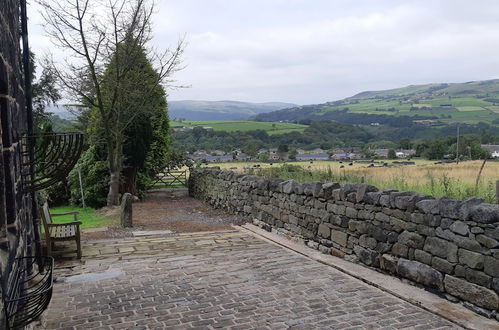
(94, 277)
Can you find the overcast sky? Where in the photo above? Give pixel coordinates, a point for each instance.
(313, 51)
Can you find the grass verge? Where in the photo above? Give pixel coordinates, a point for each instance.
(87, 216)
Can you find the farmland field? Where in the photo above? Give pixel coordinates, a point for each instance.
(244, 125)
(452, 180)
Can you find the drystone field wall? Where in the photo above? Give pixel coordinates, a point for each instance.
(446, 245)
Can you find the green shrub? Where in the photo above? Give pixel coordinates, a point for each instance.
(58, 194)
(95, 179)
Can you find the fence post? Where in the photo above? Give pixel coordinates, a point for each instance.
(497, 191)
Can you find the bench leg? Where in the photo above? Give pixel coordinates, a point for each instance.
(49, 248)
(78, 246)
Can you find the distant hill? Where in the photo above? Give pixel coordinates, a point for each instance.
(443, 104)
(221, 110)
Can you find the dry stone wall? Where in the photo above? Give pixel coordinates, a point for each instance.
(446, 245)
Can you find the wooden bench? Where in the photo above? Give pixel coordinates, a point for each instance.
(55, 232)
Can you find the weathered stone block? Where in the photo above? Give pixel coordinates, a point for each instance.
(478, 277)
(442, 265)
(448, 208)
(380, 216)
(411, 239)
(366, 215)
(473, 293)
(485, 213)
(491, 266)
(366, 256)
(324, 231)
(367, 241)
(339, 237)
(487, 241)
(372, 198)
(287, 187)
(423, 256)
(327, 189)
(351, 213)
(494, 233)
(420, 273)
(389, 263)
(477, 230)
(441, 248)
(460, 228)
(495, 284)
(428, 206)
(468, 243)
(471, 259)
(400, 250)
(400, 225)
(466, 207)
(362, 190)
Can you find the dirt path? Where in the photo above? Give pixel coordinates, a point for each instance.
(170, 210)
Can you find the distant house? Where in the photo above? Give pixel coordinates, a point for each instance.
(345, 156)
(217, 153)
(405, 153)
(383, 153)
(493, 148)
(313, 156)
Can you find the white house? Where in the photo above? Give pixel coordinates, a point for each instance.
(493, 148)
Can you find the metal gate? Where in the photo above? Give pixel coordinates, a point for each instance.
(170, 179)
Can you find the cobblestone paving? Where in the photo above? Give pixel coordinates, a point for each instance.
(219, 280)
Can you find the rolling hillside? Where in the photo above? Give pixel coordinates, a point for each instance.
(243, 126)
(221, 110)
(470, 103)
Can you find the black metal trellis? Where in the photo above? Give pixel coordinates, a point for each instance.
(55, 155)
(29, 292)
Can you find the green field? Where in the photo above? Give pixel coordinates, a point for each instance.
(470, 103)
(243, 125)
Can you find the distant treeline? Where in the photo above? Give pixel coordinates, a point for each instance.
(429, 142)
(312, 113)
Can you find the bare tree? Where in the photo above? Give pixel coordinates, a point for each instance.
(96, 32)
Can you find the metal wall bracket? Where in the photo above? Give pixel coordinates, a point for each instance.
(55, 155)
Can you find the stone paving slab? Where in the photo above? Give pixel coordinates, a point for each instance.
(219, 280)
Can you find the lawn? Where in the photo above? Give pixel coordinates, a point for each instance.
(87, 216)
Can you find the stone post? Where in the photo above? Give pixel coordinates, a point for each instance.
(126, 210)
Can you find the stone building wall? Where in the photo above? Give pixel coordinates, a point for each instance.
(15, 206)
(448, 246)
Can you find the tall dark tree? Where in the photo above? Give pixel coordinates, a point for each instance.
(44, 92)
(108, 36)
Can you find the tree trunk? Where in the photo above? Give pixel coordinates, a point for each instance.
(115, 157)
(113, 197)
(129, 184)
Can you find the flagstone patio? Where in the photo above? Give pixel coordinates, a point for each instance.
(223, 279)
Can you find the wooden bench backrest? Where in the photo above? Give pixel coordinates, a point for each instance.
(46, 218)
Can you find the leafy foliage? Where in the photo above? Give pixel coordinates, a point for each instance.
(95, 178)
